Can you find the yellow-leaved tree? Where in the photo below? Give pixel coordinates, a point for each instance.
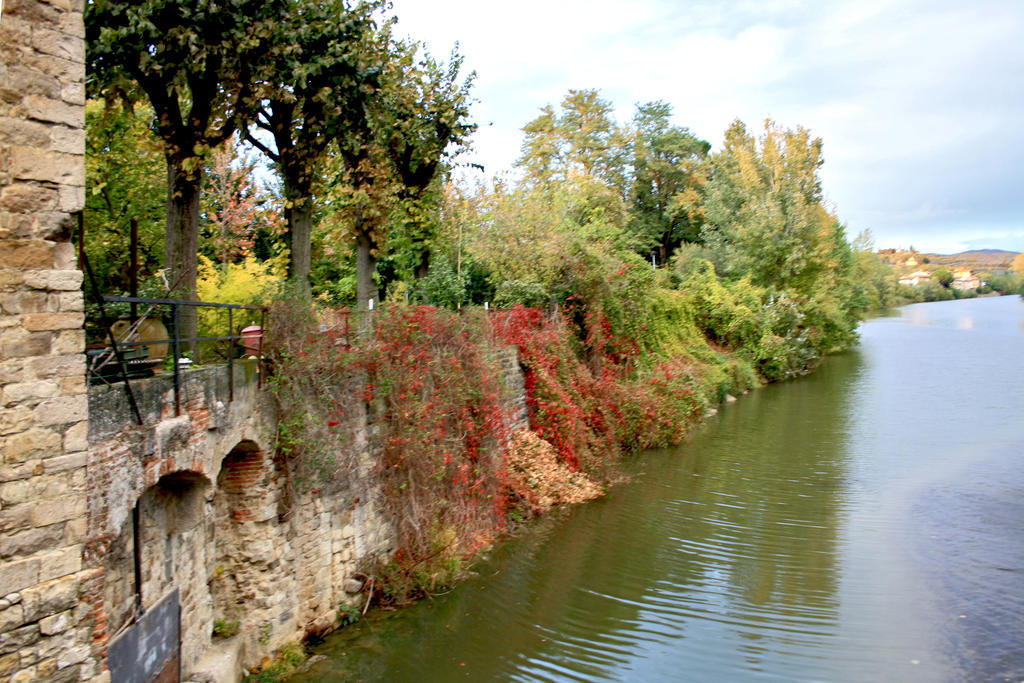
(251, 282)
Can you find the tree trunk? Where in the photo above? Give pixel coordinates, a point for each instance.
(181, 245)
(366, 290)
(300, 239)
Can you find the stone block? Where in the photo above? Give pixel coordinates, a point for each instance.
(27, 163)
(17, 471)
(76, 457)
(28, 391)
(59, 280)
(15, 420)
(30, 541)
(72, 24)
(42, 322)
(59, 563)
(50, 110)
(33, 11)
(72, 198)
(55, 43)
(35, 488)
(10, 279)
(68, 342)
(70, 301)
(15, 517)
(74, 655)
(74, 531)
(50, 597)
(11, 618)
(47, 668)
(57, 623)
(12, 641)
(28, 198)
(58, 510)
(15, 30)
(65, 70)
(172, 434)
(67, 140)
(64, 255)
(18, 343)
(26, 254)
(18, 575)
(55, 226)
(17, 225)
(17, 303)
(72, 385)
(62, 410)
(74, 93)
(18, 131)
(30, 444)
(25, 675)
(31, 82)
(9, 664)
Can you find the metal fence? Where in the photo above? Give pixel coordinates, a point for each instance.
(119, 356)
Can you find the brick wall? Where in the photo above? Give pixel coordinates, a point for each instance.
(248, 537)
(46, 630)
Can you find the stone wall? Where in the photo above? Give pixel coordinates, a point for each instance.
(250, 539)
(240, 532)
(253, 540)
(506, 358)
(46, 631)
(168, 466)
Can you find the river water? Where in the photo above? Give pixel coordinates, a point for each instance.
(864, 523)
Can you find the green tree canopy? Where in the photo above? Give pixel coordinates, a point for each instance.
(385, 163)
(764, 207)
(669, 167)
(125, 172)
(583, 138)
(193, 60)
(315, 82)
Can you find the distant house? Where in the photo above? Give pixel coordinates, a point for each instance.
(965, 280)
(915, 278)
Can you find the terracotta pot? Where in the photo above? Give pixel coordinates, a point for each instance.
(252, 340)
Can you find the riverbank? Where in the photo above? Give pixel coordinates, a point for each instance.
(454, 469)
(853, 525)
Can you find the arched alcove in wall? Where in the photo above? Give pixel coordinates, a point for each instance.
(175, 530)
(243, 489)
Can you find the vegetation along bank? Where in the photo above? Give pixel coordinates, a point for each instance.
(300, 152)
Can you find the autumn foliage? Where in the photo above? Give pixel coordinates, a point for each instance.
(453, 475)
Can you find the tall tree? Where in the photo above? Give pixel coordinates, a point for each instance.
(764, 207)
(193, 61)
(415, 121)
(669, 169)
(317, 78)
(583, 138)
(236, 210)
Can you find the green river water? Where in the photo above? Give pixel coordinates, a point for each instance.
(865, 523)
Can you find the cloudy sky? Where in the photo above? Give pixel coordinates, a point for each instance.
(920, 103)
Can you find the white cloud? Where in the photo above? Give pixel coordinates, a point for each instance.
(918, 101)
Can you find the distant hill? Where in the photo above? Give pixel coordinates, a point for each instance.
(975, 259)
(987, 260)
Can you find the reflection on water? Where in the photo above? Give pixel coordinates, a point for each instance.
(833, 528)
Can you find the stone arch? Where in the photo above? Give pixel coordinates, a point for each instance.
(242, 478)
(245, 513)
(176, 535)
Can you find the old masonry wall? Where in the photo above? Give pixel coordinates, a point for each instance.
(47, 631)
(216, 515)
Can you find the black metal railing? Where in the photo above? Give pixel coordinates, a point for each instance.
(112, 359)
